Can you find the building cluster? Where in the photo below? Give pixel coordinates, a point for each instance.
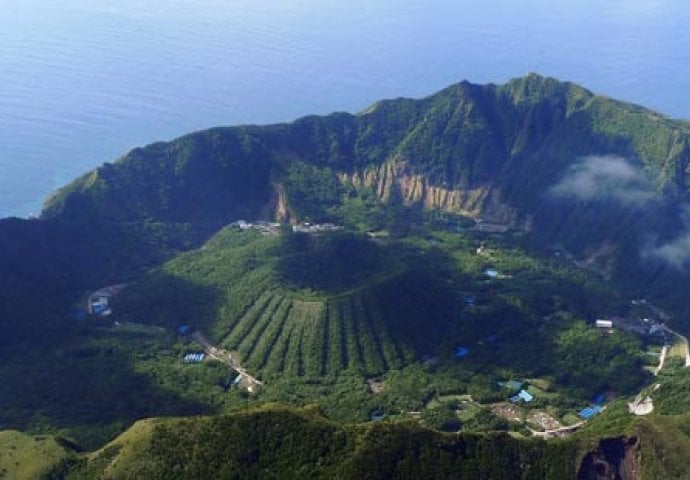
(316, 227)
(267, 228)
(641, 326)
(272, 228)
(99, 301)
(522, 395)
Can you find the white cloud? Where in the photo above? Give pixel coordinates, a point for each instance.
(675, 252)
(606, 177)
(615, 179)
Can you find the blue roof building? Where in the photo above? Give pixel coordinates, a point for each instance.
(194, 357)
(183, 329)
(99, 308)
(522, 396)
(462, 352)
(589, 412)
(491, 273)
(526, 396)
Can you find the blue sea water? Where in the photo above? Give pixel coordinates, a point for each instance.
(83, 81)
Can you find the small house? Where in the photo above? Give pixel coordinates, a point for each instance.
(589, 412)
(525, 395)
(604, 323)
(491, 272)
(522, 396)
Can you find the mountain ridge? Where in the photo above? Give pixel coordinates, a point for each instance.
(489, 152)
(491, 219)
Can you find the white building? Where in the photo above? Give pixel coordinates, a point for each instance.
(604, 323)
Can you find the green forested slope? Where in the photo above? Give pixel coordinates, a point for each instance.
(278, 442)
(478, 149)
(490, 148)
(329, 311)
(518, 136)
(302, 305)
(281, 443)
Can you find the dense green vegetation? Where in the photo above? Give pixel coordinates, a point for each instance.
(317, 316)
(279, 443)
(314, 315)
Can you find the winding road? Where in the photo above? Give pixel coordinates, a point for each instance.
(224, 356)
(684, 341)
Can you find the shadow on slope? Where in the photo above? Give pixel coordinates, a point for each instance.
(332, 263)
(167, 300)
(86, 390)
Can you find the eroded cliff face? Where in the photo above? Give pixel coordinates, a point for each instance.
(280, 210)
(614, 459)
(396, 178)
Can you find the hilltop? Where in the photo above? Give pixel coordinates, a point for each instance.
(276, 442)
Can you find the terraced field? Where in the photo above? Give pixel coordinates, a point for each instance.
(371, 330)
(283, 305)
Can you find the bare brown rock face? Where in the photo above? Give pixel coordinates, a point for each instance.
(614, 459)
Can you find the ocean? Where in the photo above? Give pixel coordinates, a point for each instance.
(84, 81)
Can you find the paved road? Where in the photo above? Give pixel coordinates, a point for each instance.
(684, 341)
(662, 359)
(224, 356)
(558, 431)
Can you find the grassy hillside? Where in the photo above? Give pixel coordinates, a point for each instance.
(275, 442)
(302, 305)
(278, 442)
(25, 457)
